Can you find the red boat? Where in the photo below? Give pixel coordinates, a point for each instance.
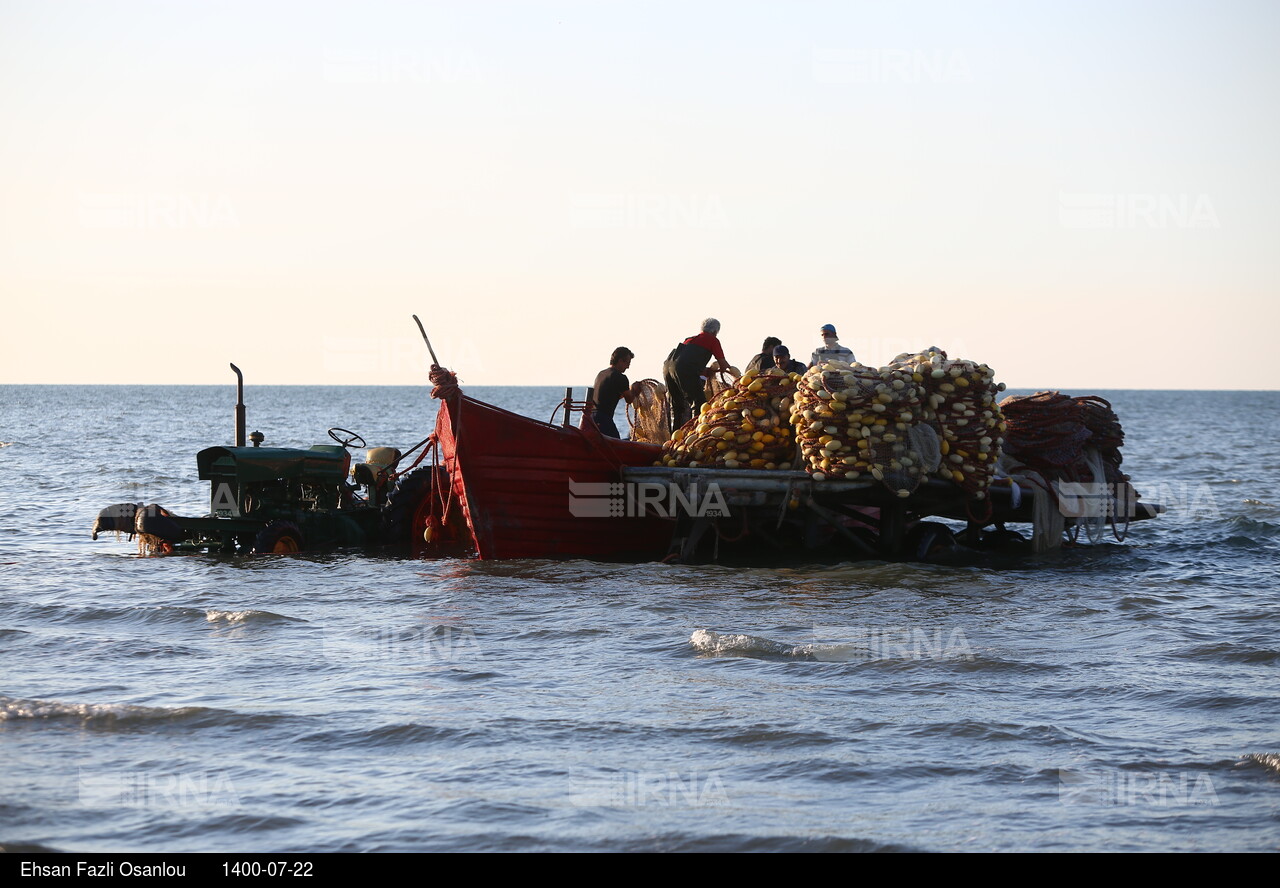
(507, 486)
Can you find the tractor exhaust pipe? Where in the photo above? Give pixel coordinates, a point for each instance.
(239, 406)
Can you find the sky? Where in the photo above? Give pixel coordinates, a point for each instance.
(1084, 196)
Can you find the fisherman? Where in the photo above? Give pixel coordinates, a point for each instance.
(764, 360)
(611, 386)
(831, 349)
(782, 360)
(684, 368)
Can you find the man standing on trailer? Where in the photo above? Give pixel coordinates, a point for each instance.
(684, 369)
(831, 349)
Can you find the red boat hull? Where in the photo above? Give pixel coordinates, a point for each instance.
(511, 477)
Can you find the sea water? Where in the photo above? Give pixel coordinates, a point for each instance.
(1117, 696)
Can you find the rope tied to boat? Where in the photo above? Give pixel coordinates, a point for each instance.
(444, 383)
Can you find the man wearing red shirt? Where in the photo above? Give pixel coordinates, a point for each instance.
(684, 368)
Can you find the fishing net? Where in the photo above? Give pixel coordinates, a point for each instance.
(745, 426)
(852, 420)
(1050, 432)
(1073, 446)
(1047, 520)
(150, 544)
(961, 407)
(649, 413)
(721, 381)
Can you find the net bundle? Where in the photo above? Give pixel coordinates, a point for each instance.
(962, 408)
(649, 413)
(745, 426)
(852, 420)
(720, 381)
(1050, 432)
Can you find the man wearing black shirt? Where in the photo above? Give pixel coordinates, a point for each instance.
(782, 360)
(611, 386)
(764, 360)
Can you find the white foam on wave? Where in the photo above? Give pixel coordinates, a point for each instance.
(244, 616)
(12, 709)
(215, 616)
(865, 649)
(1268, 760)
(709, 642)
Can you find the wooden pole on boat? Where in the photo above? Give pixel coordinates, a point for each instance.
(568, 400)
(421, 330)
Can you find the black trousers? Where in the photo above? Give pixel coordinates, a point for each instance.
(605, 423)
(685, 390)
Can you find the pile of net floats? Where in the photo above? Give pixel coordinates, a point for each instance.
(922, 415)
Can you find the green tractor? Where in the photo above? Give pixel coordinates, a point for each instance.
(282, 500)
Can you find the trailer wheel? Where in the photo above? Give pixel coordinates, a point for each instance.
(408, 505)
(929, 541)
(278, 538)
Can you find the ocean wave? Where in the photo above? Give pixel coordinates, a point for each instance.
(1225, 652)
(737, 842)
(896, 648)
(16, 709)
(230, 824)
(26, 847)
(56, 613)
(388, 735)
(708, 642)
(1268, 760)
(975, 730)
(249, 616)
(123, 716)
(1253, 529)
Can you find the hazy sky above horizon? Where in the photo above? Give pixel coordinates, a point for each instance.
(1082, 195)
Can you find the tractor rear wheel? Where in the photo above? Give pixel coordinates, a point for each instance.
(278, 538)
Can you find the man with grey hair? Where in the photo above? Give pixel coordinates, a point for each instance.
(684, 369)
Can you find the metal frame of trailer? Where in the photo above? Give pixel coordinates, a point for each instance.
(761, 502)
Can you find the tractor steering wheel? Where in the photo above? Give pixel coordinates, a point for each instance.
(346, 437)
